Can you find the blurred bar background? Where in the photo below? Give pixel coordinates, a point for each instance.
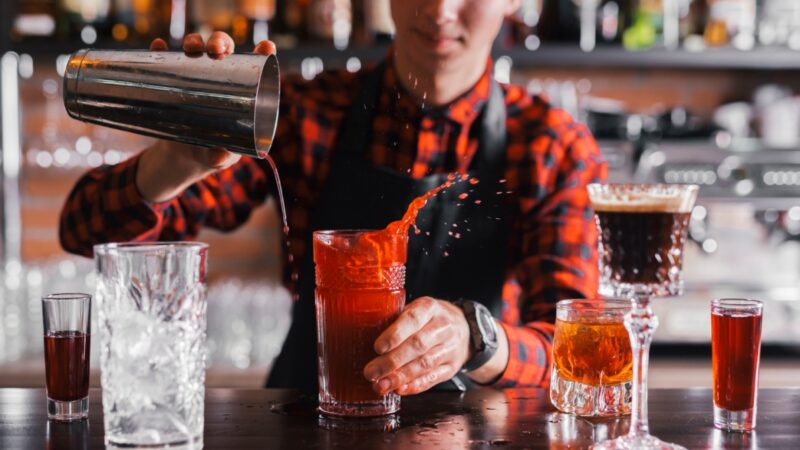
(678, 91)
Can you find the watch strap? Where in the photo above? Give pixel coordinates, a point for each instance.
(483, 347)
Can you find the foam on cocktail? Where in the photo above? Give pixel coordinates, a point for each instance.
(668, 199)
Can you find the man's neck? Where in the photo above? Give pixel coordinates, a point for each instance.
(437, 87)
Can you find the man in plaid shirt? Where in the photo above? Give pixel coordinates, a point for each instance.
(431, 108)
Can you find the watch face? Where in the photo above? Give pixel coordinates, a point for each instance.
(486, 323)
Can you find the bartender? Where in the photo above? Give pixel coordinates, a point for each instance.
(353, 151)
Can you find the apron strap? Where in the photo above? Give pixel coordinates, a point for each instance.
(356, 130)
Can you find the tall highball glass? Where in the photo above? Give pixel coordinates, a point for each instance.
(152, 311)
(642, 232)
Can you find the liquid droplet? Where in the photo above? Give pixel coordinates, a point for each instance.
(477, 202)
(463, 196)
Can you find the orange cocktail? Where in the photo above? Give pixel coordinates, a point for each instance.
(592, 360)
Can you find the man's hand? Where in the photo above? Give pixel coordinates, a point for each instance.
(426, 345)
(167, 168)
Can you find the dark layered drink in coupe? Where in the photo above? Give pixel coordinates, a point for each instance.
(642, 232)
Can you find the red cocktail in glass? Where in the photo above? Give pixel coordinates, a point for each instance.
(360, 291)
(735, 352)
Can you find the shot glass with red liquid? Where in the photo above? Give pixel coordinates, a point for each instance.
(360, 291)
(735, 355)
(67, 326)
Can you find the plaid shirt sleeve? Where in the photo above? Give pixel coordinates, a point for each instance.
(558, 244)
(105, 206)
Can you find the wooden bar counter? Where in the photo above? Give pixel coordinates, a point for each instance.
(485, 418)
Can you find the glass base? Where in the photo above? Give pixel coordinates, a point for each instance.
(387, 423)
(189, 444)
(67, 411)
(390, 404)
(630, 442)
(741, 421)
(589, 401)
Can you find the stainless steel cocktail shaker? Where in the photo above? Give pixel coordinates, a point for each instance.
(231, 103)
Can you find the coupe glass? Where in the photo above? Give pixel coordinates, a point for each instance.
(642, 232)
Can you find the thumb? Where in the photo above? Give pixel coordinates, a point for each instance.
(216, 158)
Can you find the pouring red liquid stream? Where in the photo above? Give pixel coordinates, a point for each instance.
(280, 190)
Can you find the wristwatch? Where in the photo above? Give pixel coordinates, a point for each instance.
(482, 333)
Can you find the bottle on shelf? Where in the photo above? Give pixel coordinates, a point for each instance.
(377, 20)
(251, 26)
(331, 21)
(289, 25)
(611, 17)
(779, 23)
(646, 27)
(86, 19)
(208, 16)
(35, 19)
(559, 21)
(731, 22)
(693, 21)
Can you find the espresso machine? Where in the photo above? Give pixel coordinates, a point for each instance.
(744, 238)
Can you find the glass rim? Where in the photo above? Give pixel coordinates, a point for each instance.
(681, 186)
(606, 304)
(344, 232)
(144, 246)
(353, 233)
(737, 304)
(66, 296)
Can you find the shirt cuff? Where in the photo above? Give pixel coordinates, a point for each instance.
(528, 359)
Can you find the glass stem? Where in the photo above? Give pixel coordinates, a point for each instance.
(640, 323)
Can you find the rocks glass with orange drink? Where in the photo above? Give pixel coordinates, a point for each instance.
(592, 360)
(360, 291)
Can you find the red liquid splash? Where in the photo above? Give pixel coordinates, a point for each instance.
(67, 365)
(734, 360)
(410, 217)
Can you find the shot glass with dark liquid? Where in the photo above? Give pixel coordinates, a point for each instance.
(735, 352)
(67, 327)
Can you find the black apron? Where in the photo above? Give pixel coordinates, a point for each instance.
(359, 195)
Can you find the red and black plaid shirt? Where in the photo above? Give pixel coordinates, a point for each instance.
(550, 160)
